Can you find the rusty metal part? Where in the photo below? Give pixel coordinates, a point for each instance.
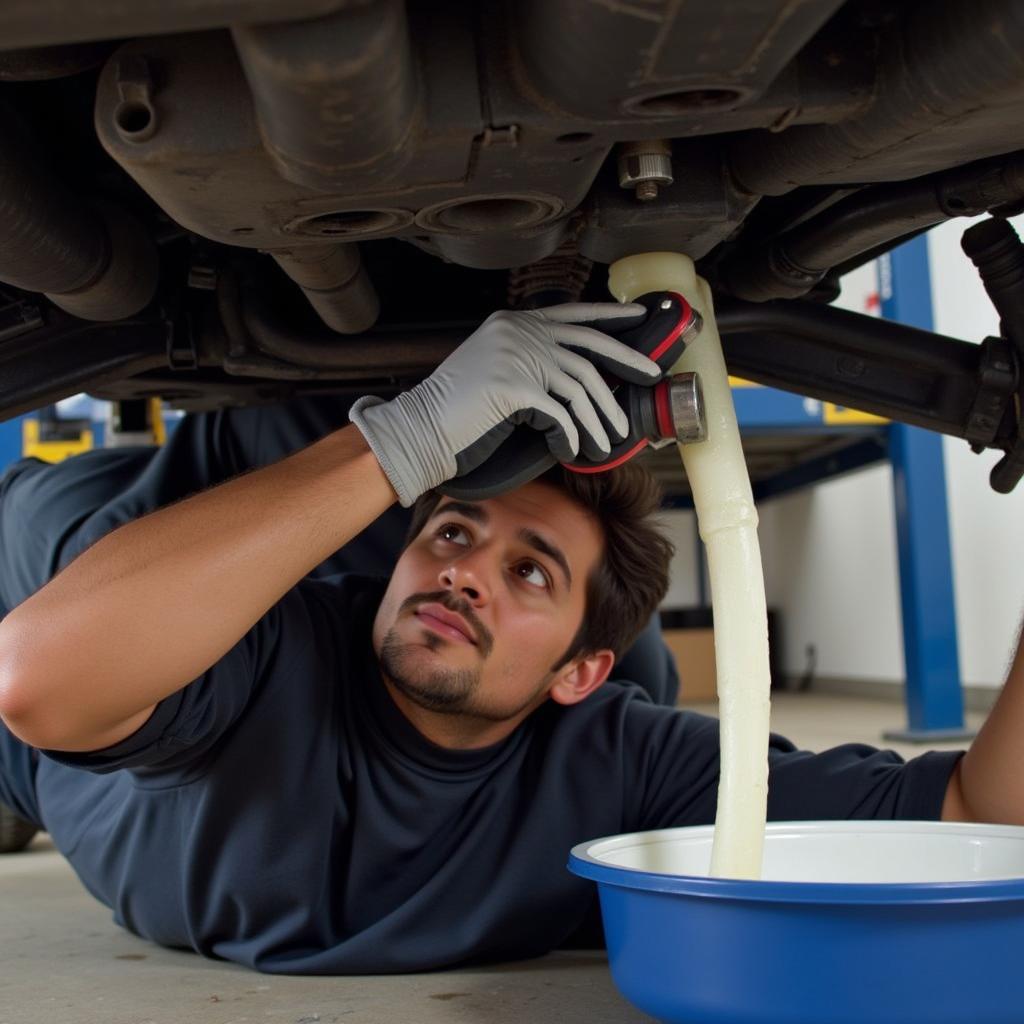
(660, 60)
(31, 23)
(335, 281)
(560, 277)
(127, 282)
(255, 323)
(93, 260)
(486, 147)
(333, 93)
(948, 84)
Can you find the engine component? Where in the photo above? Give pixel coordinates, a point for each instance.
(949, 82)
(695, 213)
(560, 277)
(594, 59)
(335, 282)
(41, 22)
(334, 94)
(93, 260)
(253, 320)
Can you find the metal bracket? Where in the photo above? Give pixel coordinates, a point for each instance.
(503, 135)
(182, 353)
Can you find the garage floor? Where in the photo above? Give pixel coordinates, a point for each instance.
(62, 959)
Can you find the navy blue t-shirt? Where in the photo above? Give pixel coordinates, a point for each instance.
(281, 812)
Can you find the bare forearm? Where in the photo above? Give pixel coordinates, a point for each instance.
(153, 604)
(989, 783)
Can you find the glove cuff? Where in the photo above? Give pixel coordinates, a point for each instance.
(400, 436)
(358, 415)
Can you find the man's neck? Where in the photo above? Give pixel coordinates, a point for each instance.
(454, 732)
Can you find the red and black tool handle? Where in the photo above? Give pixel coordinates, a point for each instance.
(652, 410)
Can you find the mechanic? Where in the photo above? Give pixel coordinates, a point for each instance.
(331, 774)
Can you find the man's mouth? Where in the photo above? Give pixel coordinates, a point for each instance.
(438, 619)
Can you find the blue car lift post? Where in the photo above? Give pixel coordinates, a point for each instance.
(934, 696)
(10, 441)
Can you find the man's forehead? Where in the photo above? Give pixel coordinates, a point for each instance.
(546, 510)
(537, 504)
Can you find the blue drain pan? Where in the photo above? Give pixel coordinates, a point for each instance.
(854, 923)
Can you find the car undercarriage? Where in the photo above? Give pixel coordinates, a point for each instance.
(231, 202)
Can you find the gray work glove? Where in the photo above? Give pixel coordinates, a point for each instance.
(513, 369)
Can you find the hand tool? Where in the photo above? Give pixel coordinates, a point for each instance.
(671, 409)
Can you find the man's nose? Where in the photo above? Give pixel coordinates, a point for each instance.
(467, 577)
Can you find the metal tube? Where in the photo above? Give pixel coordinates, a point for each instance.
(791, 264)
(333, 94)
(95, 262)
(335, 281)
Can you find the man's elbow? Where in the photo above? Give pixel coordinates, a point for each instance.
(20, 714)
(21, 711)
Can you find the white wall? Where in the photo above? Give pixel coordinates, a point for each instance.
(830, 551)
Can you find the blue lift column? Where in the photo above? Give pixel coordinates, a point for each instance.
(10, 441)
(934, 697)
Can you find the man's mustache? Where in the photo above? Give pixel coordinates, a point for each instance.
(481, 634)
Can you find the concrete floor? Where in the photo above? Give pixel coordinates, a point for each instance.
(62, 959)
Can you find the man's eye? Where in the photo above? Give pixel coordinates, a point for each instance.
(451, 533)
(532, 573)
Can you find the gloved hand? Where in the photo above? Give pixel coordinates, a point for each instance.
(513, 369)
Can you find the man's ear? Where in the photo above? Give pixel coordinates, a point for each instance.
(581, 677)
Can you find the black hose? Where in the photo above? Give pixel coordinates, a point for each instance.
(791, 264)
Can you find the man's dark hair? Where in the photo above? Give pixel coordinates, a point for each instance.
(631, 578)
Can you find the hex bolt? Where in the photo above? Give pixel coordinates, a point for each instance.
(686, 400)
(644, 166)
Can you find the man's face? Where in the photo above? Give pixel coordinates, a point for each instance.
(485, 602)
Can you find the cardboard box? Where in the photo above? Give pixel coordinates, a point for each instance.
(694, 651)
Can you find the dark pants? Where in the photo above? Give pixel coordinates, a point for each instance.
(51, 513)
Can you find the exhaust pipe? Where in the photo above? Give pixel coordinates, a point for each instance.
(93, 261)
(335, 281)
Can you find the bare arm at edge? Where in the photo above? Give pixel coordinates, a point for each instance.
(152, 605)
(988, 782)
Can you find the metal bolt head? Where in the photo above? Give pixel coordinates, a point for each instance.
(686, 400)
(645, 166)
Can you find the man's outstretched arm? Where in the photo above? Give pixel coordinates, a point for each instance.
(153, 604)
(988, 782)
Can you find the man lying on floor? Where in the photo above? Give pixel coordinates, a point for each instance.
(245, 753)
